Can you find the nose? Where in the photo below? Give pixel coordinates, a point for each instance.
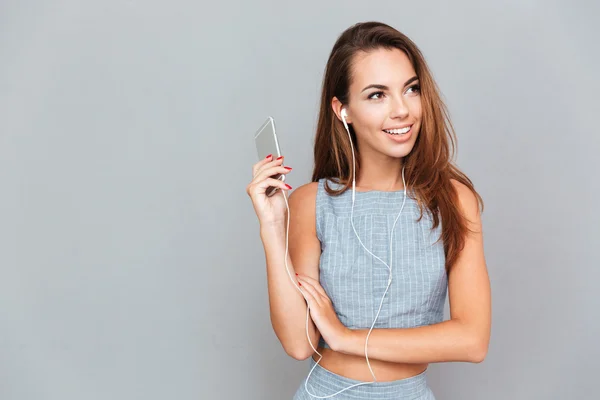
(399, 109)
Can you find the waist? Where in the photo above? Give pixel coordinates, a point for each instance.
(356, 368)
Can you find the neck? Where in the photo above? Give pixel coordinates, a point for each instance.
(380, 173)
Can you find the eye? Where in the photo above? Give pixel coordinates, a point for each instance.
(374, 94)
(416, 88)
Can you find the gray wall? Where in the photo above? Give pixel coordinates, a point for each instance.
(131, 265)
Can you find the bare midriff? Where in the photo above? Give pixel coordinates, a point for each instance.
(355, 367)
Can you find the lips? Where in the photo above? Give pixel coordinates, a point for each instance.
(399, 127)
(398, 131)
(399, 137)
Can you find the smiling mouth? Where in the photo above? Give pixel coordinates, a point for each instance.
(398, 132)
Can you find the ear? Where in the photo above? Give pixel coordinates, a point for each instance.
(337, 106)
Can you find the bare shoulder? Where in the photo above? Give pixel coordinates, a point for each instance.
(304, 196)
(304, 246)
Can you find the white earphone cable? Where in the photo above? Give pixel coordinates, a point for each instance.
(388, 266)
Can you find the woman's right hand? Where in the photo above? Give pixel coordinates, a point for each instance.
(270, 210)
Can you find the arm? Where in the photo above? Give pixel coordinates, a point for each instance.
(287, 306)
(465, 336)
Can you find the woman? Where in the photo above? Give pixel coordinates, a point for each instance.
(373, 264)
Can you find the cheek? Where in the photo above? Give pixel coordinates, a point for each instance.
(370, 117)
(377, 116)
(415, 108)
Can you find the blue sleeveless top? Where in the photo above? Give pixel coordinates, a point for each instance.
(355, 281)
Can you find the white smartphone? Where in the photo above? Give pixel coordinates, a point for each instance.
(267, 143)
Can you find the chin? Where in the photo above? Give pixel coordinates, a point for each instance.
(400, 150)
(401, 154)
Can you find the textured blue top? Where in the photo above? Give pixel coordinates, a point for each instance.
(355, 281)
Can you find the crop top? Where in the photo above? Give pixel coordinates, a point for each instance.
(355, 281)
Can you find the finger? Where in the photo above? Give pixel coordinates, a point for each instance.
(260, 164)
(310, 299)
(269, 172)
(311, 289)
(262, 186)
(315, 284)
(268, 164)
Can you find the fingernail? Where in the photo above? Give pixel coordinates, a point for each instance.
(269, 155)
(299, 284)
(280, 157)
(288, 186)
(296, 274)
(288, 168)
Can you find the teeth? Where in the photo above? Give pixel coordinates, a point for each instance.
(397, 131)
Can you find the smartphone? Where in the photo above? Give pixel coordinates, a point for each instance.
(267, 143)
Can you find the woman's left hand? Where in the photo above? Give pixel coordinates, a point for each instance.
(322, 312)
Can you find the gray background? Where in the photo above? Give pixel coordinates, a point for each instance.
(131, 263)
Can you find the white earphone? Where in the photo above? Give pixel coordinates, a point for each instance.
(344, 115)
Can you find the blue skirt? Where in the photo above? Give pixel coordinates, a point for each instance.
(322, 382)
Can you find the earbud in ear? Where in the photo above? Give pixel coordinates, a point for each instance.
(344, 114)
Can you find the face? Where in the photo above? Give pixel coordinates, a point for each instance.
(384, 105)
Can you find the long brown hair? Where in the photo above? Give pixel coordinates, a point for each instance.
(428, 167)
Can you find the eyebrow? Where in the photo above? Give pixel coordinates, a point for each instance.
(383, 87)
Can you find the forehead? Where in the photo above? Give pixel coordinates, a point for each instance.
(389, 67)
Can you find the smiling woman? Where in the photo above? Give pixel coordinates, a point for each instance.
(383, 90)
(374, 265)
